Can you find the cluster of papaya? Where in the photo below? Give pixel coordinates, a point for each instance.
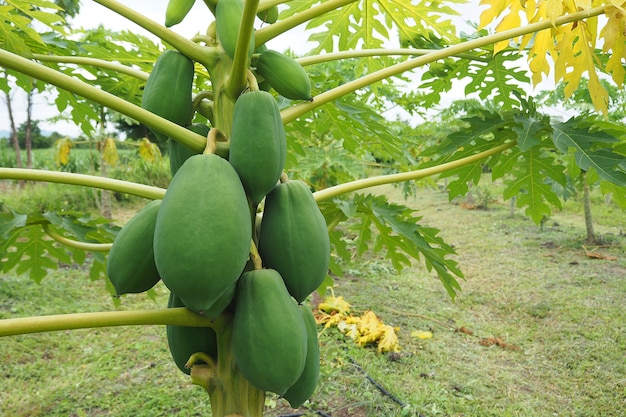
(205, 239)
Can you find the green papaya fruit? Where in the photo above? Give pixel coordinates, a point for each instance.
(269, 335)
(176, 11)
(258, 145)
(305, 386)
(269, 15)
(284, 74)
(294, 238)
(184, 341)
(168, 90)
(203, 232)
(130, 265)
(179, 153)
(228, 20)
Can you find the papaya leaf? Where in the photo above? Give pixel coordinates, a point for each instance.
(479, 133)
(528, 176)
(398, 235)
(617, 193)
(497, 80)
(529, 131)
(10, 222)
(588, 154)
(31, 251)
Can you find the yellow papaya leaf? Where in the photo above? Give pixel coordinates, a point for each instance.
(554, 9)
(334, 304)
(149, 151)
(495, 9)
(109, 152)
(510, 21)
(538, 57)
(422, 334)
(614, 34)
(62, 147)
(389, 340)
(349, 329)
(328, 320)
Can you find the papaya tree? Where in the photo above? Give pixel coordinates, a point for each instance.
(237, 225)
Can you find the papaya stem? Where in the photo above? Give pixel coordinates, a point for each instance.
(180, 316)
(298, 110)
(92, 247)
(212, 138)
(270, 32)
(83, 89)
(252, 82)
(127, 187)
(206, 39)
(199, 356)
(255, 256)
(331, 192)
(207, 56)
(237, 78)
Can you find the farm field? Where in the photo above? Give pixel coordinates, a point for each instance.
(538, 330)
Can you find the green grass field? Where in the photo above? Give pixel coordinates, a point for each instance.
(538, 330)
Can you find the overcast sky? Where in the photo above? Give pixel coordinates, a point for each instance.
(92, 14)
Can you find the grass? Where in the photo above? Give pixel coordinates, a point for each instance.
(558, 314)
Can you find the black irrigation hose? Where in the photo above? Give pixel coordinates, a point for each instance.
(319, 413)
(377, 384)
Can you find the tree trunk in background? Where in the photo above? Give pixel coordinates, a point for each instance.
(105, 196)
(16, 144)
(29, 138)
(14, 139)
(591, 236)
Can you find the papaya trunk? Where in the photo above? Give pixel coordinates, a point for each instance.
(230, 393)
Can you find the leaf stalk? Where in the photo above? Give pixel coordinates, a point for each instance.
(375, 52)
(175, 316)
(94, 62)
(332, 192)
(92, 247)
(238, 76)
(94, 181)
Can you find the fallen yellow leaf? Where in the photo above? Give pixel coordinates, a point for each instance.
(422, 334)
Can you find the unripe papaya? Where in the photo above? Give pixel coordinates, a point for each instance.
(294, 238)
(257, 143)
(184, 341)
(269, 15)
(176, 11)
(168, 90)
(269, 335)
(284, 74)
(228, 20)
(179, 153)
(203, 231)
(305, 386)
(130, 265)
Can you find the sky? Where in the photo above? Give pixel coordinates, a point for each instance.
(92, 14)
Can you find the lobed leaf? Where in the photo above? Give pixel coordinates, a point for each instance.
(585, 142)
(397, 234)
